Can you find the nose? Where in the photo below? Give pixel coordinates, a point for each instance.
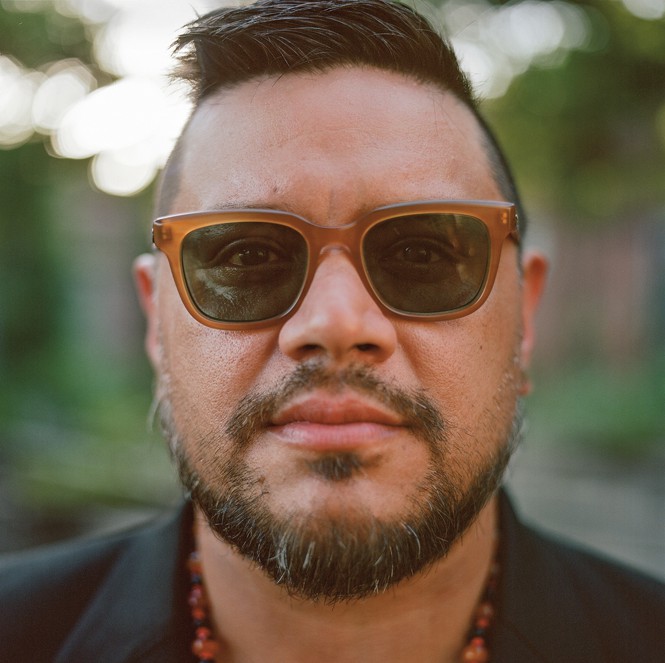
(338, 319)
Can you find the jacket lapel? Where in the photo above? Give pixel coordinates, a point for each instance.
(139, 612)
(541, 616)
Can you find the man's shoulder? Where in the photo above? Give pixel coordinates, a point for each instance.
(616, 599)
(47, 594)
(57, 563)
(563, 602)
(605, 578)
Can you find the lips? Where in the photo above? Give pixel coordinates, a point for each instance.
(332, 410)
(332, 422)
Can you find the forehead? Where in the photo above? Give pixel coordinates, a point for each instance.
(331, 145)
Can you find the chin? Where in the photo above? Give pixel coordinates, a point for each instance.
(337, 548)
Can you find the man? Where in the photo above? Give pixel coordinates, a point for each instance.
(340, 318)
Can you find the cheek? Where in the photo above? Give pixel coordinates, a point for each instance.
(468, 365)
(207, 371)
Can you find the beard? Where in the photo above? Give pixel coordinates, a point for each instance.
(353, 554)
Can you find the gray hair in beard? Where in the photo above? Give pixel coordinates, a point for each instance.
(354, 555)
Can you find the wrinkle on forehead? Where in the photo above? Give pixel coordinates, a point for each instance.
(324, 146)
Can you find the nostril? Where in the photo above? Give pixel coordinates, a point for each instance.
(310, 347)
(367, 347)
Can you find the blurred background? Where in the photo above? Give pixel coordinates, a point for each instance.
(576, 92)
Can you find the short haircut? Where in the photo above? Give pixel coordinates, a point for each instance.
(276, 37)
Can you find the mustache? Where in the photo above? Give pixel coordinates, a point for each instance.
(255, 411)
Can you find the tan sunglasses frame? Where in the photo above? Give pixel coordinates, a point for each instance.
(500, 218)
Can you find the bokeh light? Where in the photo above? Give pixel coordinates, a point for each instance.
(141, 114)
(18, 87)
(127, 127)
(67, 82)
(649, 10)
(496, 44)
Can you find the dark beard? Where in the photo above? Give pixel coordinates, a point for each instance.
(353, 555)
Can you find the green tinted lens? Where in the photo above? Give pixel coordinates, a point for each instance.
(427, 263)
(244, 272)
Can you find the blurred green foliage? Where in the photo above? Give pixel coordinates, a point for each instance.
(35, 38)
(586, 136)
(601, 408)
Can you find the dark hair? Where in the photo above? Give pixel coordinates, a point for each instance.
(274, 37)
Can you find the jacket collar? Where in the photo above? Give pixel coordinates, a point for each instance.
(139, 611)
(540, 616)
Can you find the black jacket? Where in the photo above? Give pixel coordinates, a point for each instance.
(122, 599)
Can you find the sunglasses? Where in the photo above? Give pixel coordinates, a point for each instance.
(248, 268)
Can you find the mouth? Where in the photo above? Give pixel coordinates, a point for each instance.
(335, 423)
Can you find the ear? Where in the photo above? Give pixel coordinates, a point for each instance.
(534, 277)
(145, 275)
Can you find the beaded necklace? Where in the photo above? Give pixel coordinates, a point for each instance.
(205, 647)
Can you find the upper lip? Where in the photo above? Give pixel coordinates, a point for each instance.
(332, 409)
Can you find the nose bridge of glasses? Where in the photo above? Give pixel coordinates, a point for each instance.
(326, 240)
(336, 242)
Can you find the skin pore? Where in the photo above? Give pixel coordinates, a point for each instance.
(330, 147)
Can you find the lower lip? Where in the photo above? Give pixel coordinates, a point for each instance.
(334, 437)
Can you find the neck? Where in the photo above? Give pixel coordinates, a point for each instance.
(423, 619)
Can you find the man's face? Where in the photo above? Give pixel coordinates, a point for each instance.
(342, 419)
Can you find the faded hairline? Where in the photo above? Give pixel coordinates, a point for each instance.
(168, 181)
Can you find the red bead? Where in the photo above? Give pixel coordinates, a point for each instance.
(198, 614)
(203, 633)
(205, 649)
(475, 653)
(485, 610)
